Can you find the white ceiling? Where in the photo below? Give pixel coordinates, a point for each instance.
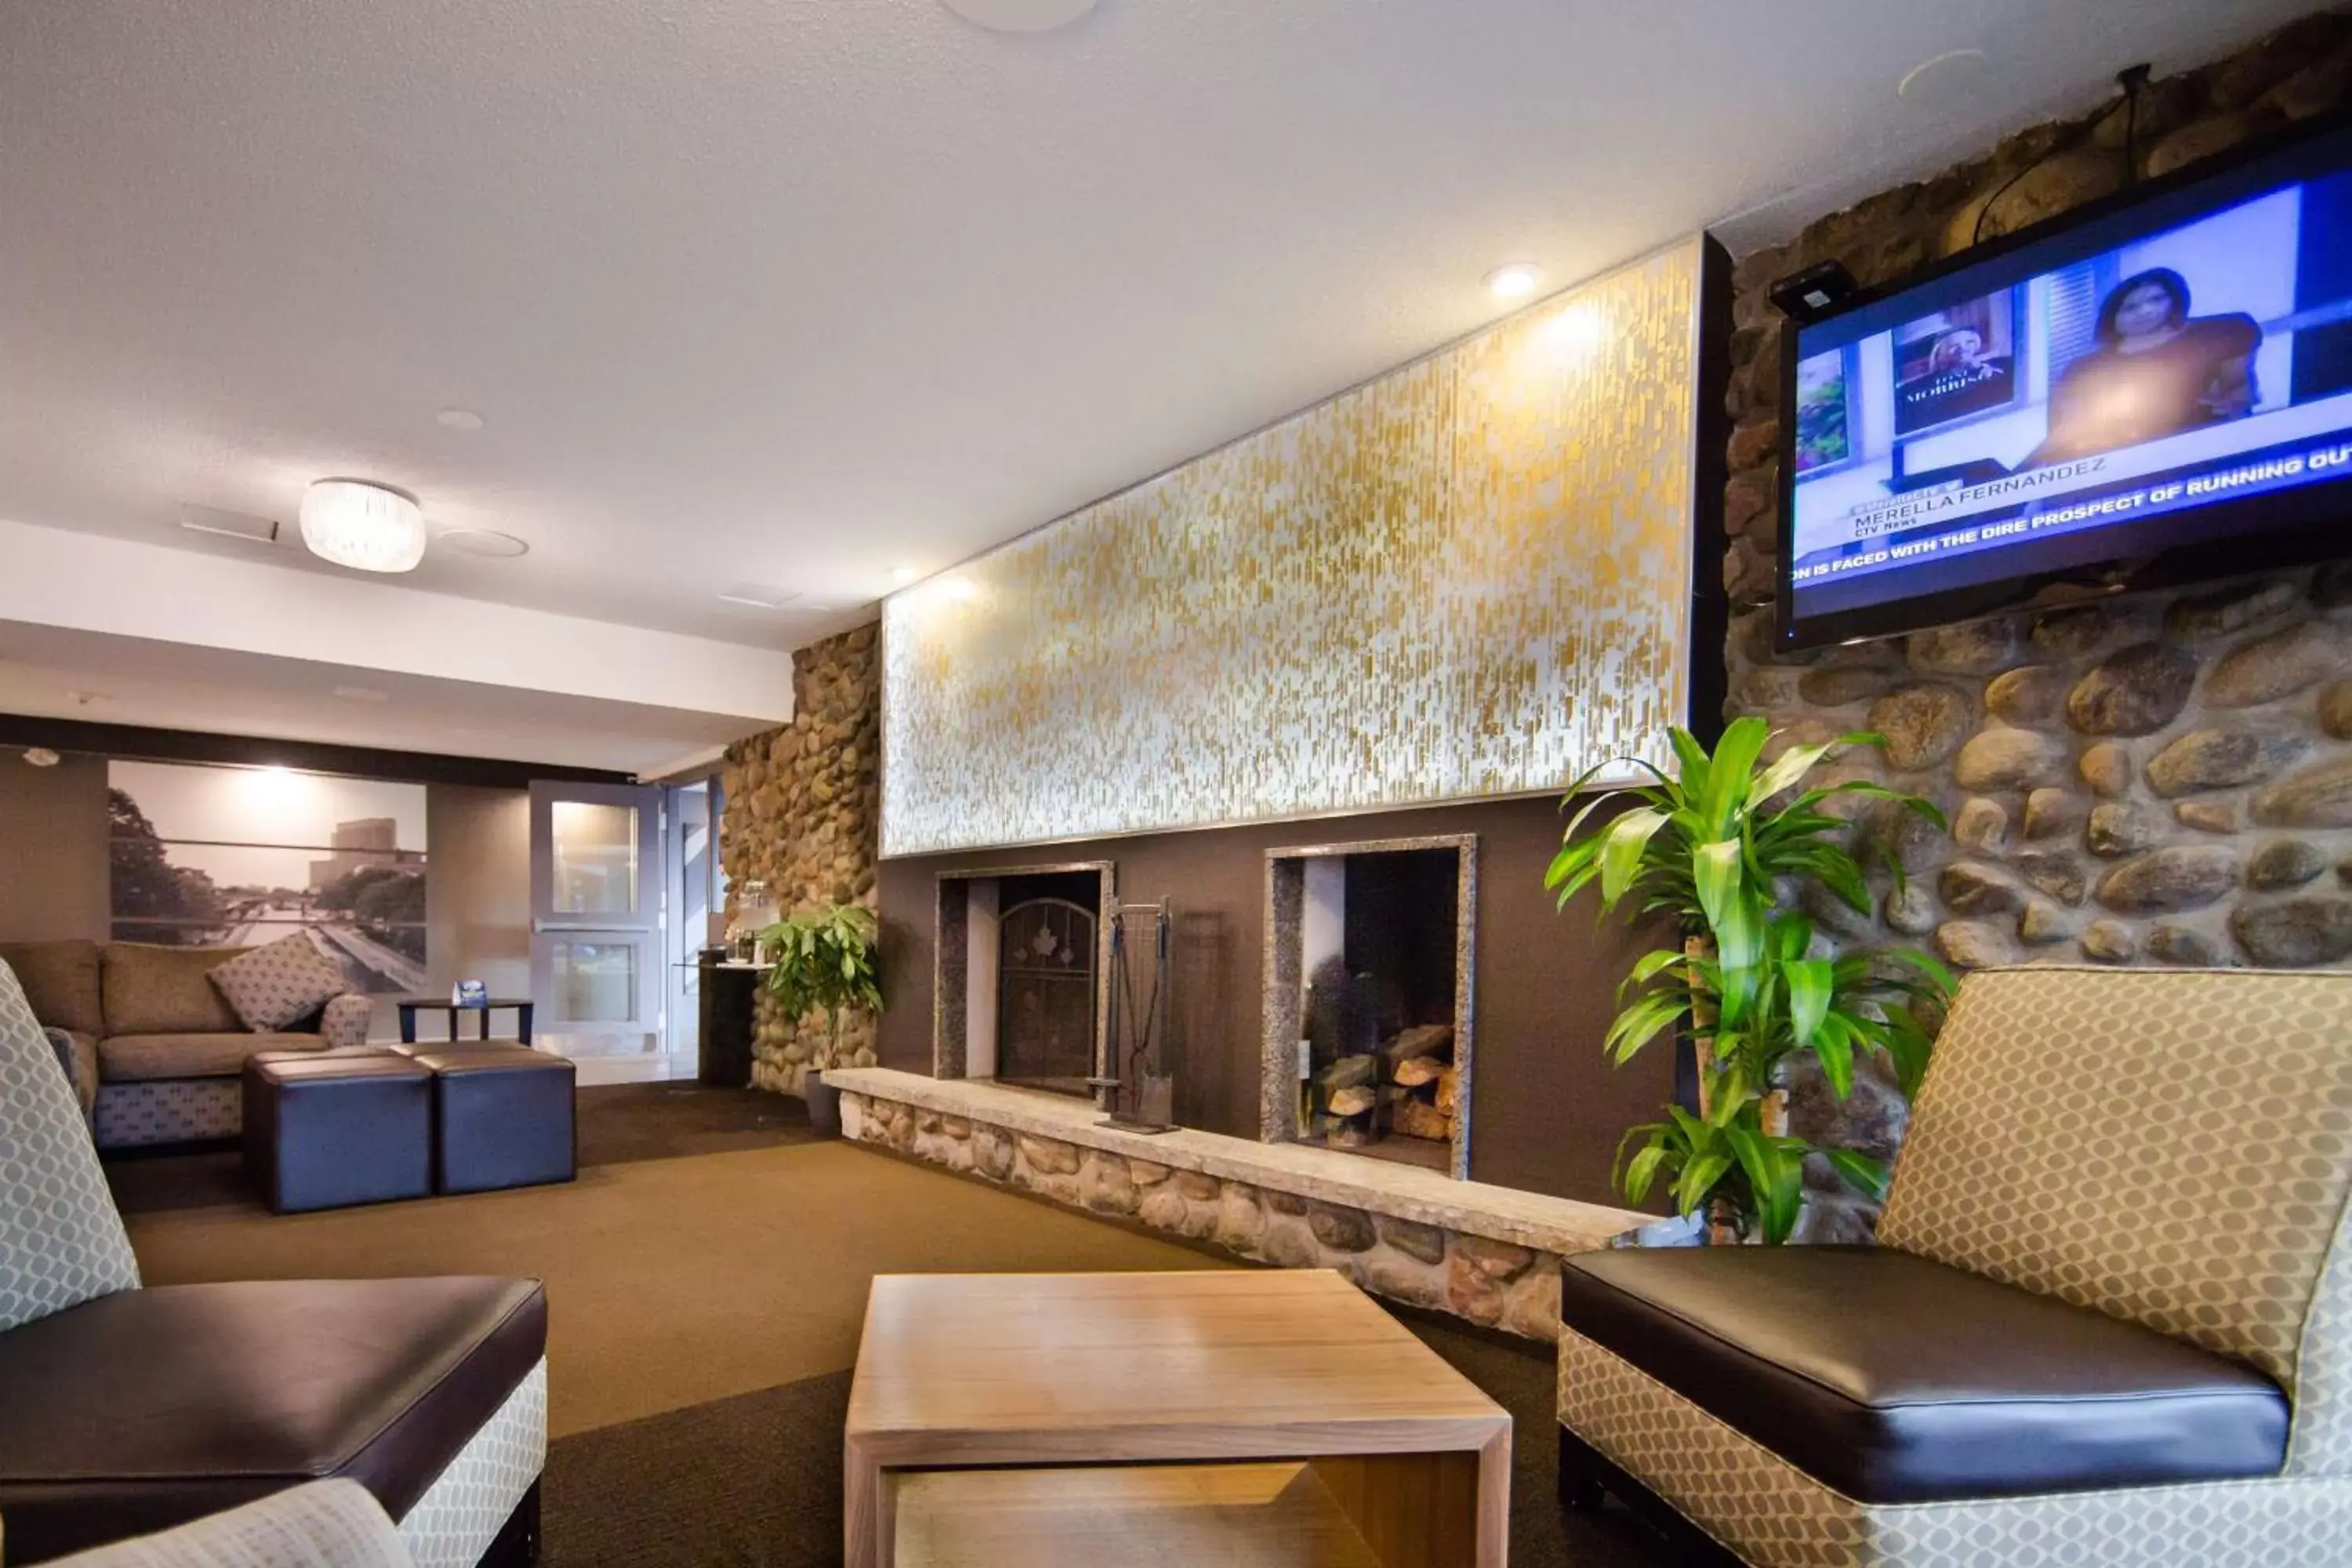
(798, 291)
(58, 673)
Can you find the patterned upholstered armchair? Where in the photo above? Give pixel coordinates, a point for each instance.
(326, 1524)
(127, 1409)
(2109, 1319)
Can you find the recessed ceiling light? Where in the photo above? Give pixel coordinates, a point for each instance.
(906, 574)
(459, 419)
(758, 596)
(361, 694)
(485, 542)
(1515, 281)
(1019, 16)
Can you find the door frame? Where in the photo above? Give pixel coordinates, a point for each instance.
(642, 927)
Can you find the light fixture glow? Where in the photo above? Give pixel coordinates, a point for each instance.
(905, 574)
(1517, 280)
(367, 527)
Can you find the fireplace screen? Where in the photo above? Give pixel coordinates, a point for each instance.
(1046, 995)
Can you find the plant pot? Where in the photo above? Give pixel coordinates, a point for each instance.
(824, 1105)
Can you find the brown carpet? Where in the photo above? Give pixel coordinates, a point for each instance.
(704, 1310)
(670, 1282)
(617, 1123)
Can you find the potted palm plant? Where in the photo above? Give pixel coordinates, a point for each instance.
(1722, 846)
(824, 961)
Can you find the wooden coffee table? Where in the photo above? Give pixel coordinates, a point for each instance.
(1163, 1418)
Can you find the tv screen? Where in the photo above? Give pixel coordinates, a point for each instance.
(2156, 390)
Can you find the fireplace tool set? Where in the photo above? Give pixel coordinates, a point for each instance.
(1136, 1098)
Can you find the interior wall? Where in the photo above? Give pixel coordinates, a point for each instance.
(2162, 778)
(2159, 779)
(54, 872)
(1547, 1110)
(477, 892)
(800, 813)
(53, 854)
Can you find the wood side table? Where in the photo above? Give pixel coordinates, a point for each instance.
(410, 1006)
(1111, 1409)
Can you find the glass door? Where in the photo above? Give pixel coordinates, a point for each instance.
(596, 904)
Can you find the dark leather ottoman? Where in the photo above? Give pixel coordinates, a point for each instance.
(330, 1129)
(502, 1117)
(148, 1408)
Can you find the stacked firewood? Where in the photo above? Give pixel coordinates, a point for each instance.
(1409, 1086)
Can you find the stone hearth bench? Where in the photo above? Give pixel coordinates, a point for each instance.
(1484, 1253)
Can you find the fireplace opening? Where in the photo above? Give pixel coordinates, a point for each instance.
(1021, 961)
(1045, 981)
(1368, 1008)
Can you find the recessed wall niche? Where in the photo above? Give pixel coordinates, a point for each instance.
(1371, 973)
(1019, 989)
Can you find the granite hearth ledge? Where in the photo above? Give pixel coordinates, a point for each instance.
(1485, 1253)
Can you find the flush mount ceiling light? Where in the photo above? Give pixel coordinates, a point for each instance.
(484, 542)
(41, 756)
(368, 527)
(905, 573)
(1019, 16)
(458, 419)
(1514, 281)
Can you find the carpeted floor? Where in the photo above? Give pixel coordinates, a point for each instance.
(706, 1276)
(617, 1123)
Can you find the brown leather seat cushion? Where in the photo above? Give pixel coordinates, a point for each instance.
(143, 1409)
(1894, 1379)
(133, 1058)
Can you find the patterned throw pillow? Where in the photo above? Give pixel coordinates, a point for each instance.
(61, 1241)
(273, 986)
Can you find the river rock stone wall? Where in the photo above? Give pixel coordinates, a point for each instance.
(2164, 778)
(803, 813)
(1486, 1282)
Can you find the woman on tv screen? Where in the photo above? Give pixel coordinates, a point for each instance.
(2157, 371)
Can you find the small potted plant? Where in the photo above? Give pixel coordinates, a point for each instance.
(825, 962)
(1719, 847)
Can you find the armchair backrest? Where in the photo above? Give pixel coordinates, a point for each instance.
(62, 1238)
(2171, 1147)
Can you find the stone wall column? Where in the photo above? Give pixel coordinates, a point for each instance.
(803, 814)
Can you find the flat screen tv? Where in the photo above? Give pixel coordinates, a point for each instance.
(2153, 390)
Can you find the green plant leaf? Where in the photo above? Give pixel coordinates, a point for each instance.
(1865, 1175)
(1716, 877)
(1730, 772)
(1691, 760)
(1643, 1022)
(1807, 980)
(1698, 1179)
(1621, 851)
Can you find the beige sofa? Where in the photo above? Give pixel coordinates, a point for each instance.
(158, 1054)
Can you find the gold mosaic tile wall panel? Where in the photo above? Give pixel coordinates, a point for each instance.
(1470, 577)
